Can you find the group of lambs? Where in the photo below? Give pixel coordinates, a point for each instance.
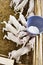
(16, 29)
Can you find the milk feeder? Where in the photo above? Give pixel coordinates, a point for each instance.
(35, 28)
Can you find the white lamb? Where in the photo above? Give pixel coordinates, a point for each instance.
(13, 20)
(22, 19)
(31, 43)
(9, 27)
(13, 38)
(21, 6)
(16, 2)
(31, 7)
(25, 39)
(22, 34)
(30, 14)
(17, 53)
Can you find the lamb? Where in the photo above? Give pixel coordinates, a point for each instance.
(29, 15)
(22, 28)
(22, 19)
(17, 53)
(21, 6)
(31, 7)
(16, 2)
(13, 20)
(10, 28)
(25, 39)
(13, 38)
(22, 34)
(31, 43)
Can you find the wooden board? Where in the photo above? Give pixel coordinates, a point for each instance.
(38, 49)
(6, 61)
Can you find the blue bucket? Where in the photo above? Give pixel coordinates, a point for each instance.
(36, 21)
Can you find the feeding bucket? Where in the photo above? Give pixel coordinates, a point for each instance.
(35, 21)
